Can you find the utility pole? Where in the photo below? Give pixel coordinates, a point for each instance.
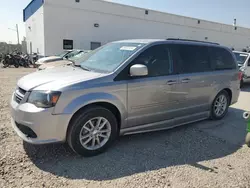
(235, 24)
(17, 31)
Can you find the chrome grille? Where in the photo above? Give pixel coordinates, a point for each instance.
(18, 99)
(19, 95)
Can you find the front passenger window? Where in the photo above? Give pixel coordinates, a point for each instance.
(157, 59)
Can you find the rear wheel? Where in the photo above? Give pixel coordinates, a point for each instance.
(220, 105)
(93, 131)
(241, 83)
(26, 64)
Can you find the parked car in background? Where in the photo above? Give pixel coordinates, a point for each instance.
(243, 62)
(64, 55)
(125, 87)
(72, 60)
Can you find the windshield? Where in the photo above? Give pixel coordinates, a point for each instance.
(109, 57)
(73, 53)
(63, 54)
(241, 57)
(78, 57)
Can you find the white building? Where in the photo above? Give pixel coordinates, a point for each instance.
(54, 25)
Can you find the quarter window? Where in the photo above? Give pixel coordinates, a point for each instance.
(157, 59)
(192, 59)
(222, 59)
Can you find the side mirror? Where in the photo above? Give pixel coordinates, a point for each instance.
(66, 57)
(138, 70)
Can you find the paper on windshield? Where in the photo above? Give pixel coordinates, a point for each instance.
(128, 48)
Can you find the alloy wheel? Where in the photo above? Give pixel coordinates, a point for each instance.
(95, 133)
(220, 105)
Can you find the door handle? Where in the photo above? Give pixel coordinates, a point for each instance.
(172, 82)
(186, 80)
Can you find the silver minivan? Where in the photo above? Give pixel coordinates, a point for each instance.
(125, 87)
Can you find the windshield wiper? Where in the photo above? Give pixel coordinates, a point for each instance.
(74, 63)
(80, 66)
(84, 68)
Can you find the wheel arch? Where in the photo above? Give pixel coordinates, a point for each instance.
(227, 89)
(107, 101)
(230, 93)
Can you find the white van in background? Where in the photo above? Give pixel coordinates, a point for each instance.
(243, 62)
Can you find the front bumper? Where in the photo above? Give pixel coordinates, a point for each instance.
(48, 128)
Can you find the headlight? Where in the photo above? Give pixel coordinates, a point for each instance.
(242, 69)
(44, 99)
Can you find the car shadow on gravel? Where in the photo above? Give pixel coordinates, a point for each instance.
(139, 153)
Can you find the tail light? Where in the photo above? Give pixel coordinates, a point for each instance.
(240, 75)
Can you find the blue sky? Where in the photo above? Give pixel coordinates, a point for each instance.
(11, 13)
(223, 11)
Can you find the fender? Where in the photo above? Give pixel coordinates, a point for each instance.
(91, 98)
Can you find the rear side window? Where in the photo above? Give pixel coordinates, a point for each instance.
(221, 59)
(191, 58)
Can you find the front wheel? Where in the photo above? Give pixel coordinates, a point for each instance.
(4, 62)
(220, 105)
(92, 131)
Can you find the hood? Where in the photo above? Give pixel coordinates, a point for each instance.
(54, 64)
(54, 79)
(48, 59)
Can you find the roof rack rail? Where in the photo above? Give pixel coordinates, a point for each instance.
(192, 40)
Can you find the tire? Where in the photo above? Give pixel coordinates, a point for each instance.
(241, 83)
(6, 65)
(247, 139)
(77, 127)
(16, 65)
(4, 62)
(26, 65)
(218, 116)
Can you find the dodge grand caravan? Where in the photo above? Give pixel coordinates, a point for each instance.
(125, 87)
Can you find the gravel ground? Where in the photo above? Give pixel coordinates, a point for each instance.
(204, 154)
